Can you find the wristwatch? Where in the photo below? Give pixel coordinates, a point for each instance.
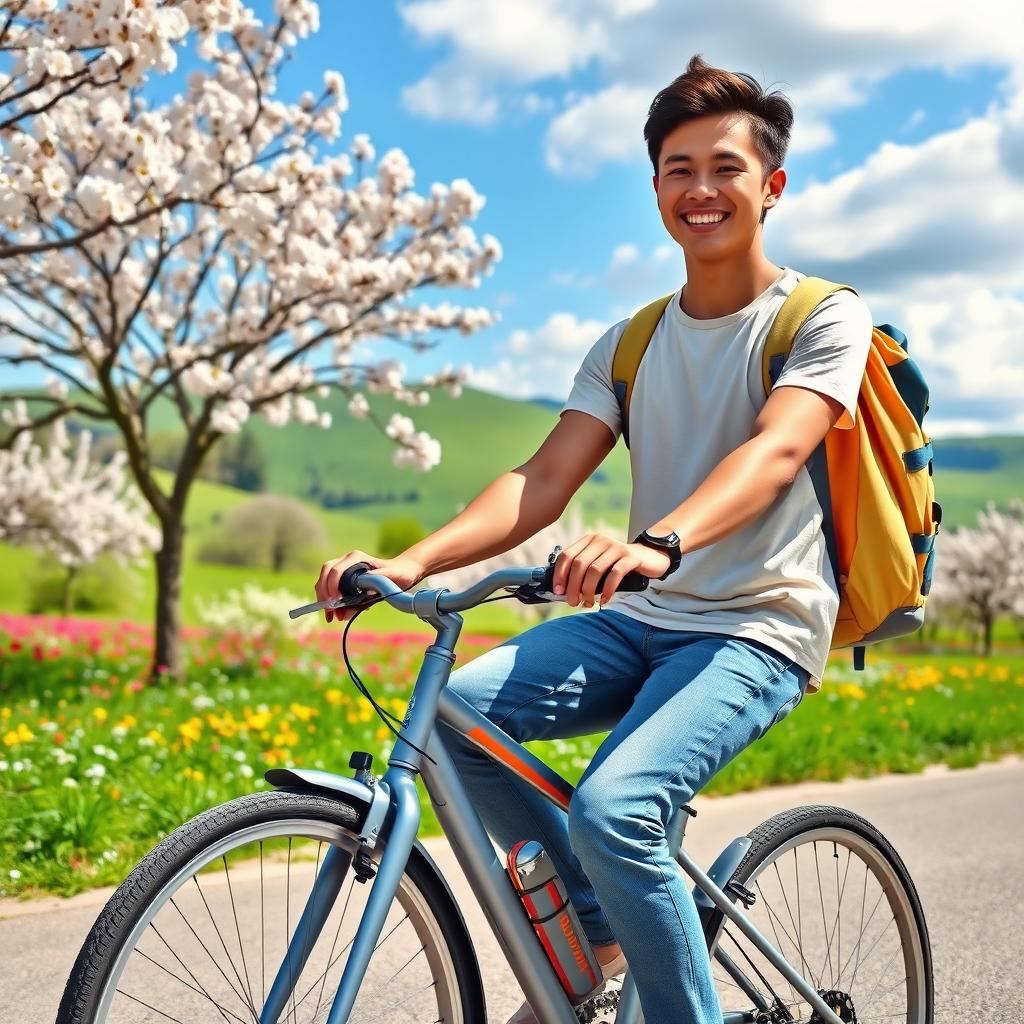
(668, 543)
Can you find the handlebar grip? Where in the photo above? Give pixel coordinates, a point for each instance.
(632, 581)
(347, 584)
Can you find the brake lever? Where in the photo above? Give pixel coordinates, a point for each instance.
(331, 603)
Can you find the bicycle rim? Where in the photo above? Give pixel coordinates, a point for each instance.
(211, 939)
(845, 917)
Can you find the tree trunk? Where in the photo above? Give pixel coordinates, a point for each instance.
(986, 623)
(168, 658)
(65, 590)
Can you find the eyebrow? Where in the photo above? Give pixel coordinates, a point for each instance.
(678, 158)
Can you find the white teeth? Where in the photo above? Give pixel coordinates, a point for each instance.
(704, 218)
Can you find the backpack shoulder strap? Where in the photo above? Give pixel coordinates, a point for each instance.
(630, 350)
(799, 305)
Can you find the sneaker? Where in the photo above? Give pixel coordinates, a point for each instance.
(592, 1005)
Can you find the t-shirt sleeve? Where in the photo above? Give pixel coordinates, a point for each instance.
(830, 352)
(592, 390)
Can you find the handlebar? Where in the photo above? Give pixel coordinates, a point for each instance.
(531, 585)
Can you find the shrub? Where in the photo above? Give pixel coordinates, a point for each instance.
(269, 531)
(397, 534)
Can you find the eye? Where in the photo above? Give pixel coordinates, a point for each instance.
(737, 169)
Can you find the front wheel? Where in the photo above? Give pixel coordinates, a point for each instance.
(835, 899)
(198, 931)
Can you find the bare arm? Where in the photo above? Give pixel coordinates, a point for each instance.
(519, 503)
(792, 423)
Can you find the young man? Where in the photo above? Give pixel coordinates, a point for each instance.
(736, 624)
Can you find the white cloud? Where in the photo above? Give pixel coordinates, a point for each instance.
(542, 361)
(450, 97)
(826, 57)
(597, 129)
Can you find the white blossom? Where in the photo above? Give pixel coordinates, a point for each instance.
(58, 499)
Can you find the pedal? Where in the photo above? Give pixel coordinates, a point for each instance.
(363, 866)
(599, 1007)
(742, 893)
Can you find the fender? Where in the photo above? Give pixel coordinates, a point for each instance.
(376, 798)
(720, 873)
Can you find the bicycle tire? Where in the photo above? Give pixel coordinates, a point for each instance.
(434, 914)
(787, 831)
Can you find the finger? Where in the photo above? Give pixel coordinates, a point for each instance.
(578, 571)
(618, 573)
(563, 564)
(598, 567)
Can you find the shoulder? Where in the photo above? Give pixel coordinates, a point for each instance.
(602, 352)
(843, 314)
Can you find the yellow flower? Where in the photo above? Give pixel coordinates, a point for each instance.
(157, 737)
(333, 697)
(302, 712)
(257, 721)
(190, 731)
(5, 713)
(100, 714)
(23, 734)
(193, 773)
(127, 722)
(852, 690)
(910, 700)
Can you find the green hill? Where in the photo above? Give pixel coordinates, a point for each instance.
(348, 468)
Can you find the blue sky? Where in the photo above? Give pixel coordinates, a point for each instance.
(905, 171)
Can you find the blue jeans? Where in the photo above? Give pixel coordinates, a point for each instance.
(680, 705)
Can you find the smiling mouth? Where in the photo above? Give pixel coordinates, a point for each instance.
(704, 221)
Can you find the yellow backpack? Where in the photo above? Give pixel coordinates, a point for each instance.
(874, 481)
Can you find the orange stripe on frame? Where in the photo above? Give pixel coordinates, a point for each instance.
(519, 766)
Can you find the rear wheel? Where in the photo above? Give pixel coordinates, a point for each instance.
(199, 929)
(836, 900)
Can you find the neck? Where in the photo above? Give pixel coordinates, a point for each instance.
(715, 289)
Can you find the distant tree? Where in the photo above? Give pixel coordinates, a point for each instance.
(270, 532)
(245, 465)
(237, 461)
(55, 498)
(982, 570)
(397, 534)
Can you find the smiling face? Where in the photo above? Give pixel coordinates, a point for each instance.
(711, 188)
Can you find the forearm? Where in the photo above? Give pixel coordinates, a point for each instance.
(508, 511)
(736, 492)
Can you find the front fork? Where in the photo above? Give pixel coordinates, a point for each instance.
(398, 789)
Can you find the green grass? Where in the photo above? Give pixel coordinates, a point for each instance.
(141, 759)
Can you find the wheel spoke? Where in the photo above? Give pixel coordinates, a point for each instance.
(238, 932)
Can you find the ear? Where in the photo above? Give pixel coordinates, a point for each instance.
(776, 183)
(654, 182)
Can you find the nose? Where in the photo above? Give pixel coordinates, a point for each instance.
(699, 188)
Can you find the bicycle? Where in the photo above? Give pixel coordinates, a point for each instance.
(317, 829)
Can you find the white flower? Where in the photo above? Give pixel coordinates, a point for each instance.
(70, 783)
(14, 874)
(95, 772)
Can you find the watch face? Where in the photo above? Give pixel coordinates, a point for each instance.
(670, 540)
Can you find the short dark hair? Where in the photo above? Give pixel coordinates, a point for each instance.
(701, 90)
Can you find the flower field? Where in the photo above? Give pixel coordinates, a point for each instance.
(96, 765)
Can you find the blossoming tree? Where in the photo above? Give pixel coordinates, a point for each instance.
(56, 498)
(981, 571)
(207, 253)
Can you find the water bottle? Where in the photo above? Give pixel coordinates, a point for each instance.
(554, 920)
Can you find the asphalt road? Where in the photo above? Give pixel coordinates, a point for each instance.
(960, 833)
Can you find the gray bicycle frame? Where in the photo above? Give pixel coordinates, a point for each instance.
(394, 798)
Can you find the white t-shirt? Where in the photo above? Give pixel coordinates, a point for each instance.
(697, 393)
